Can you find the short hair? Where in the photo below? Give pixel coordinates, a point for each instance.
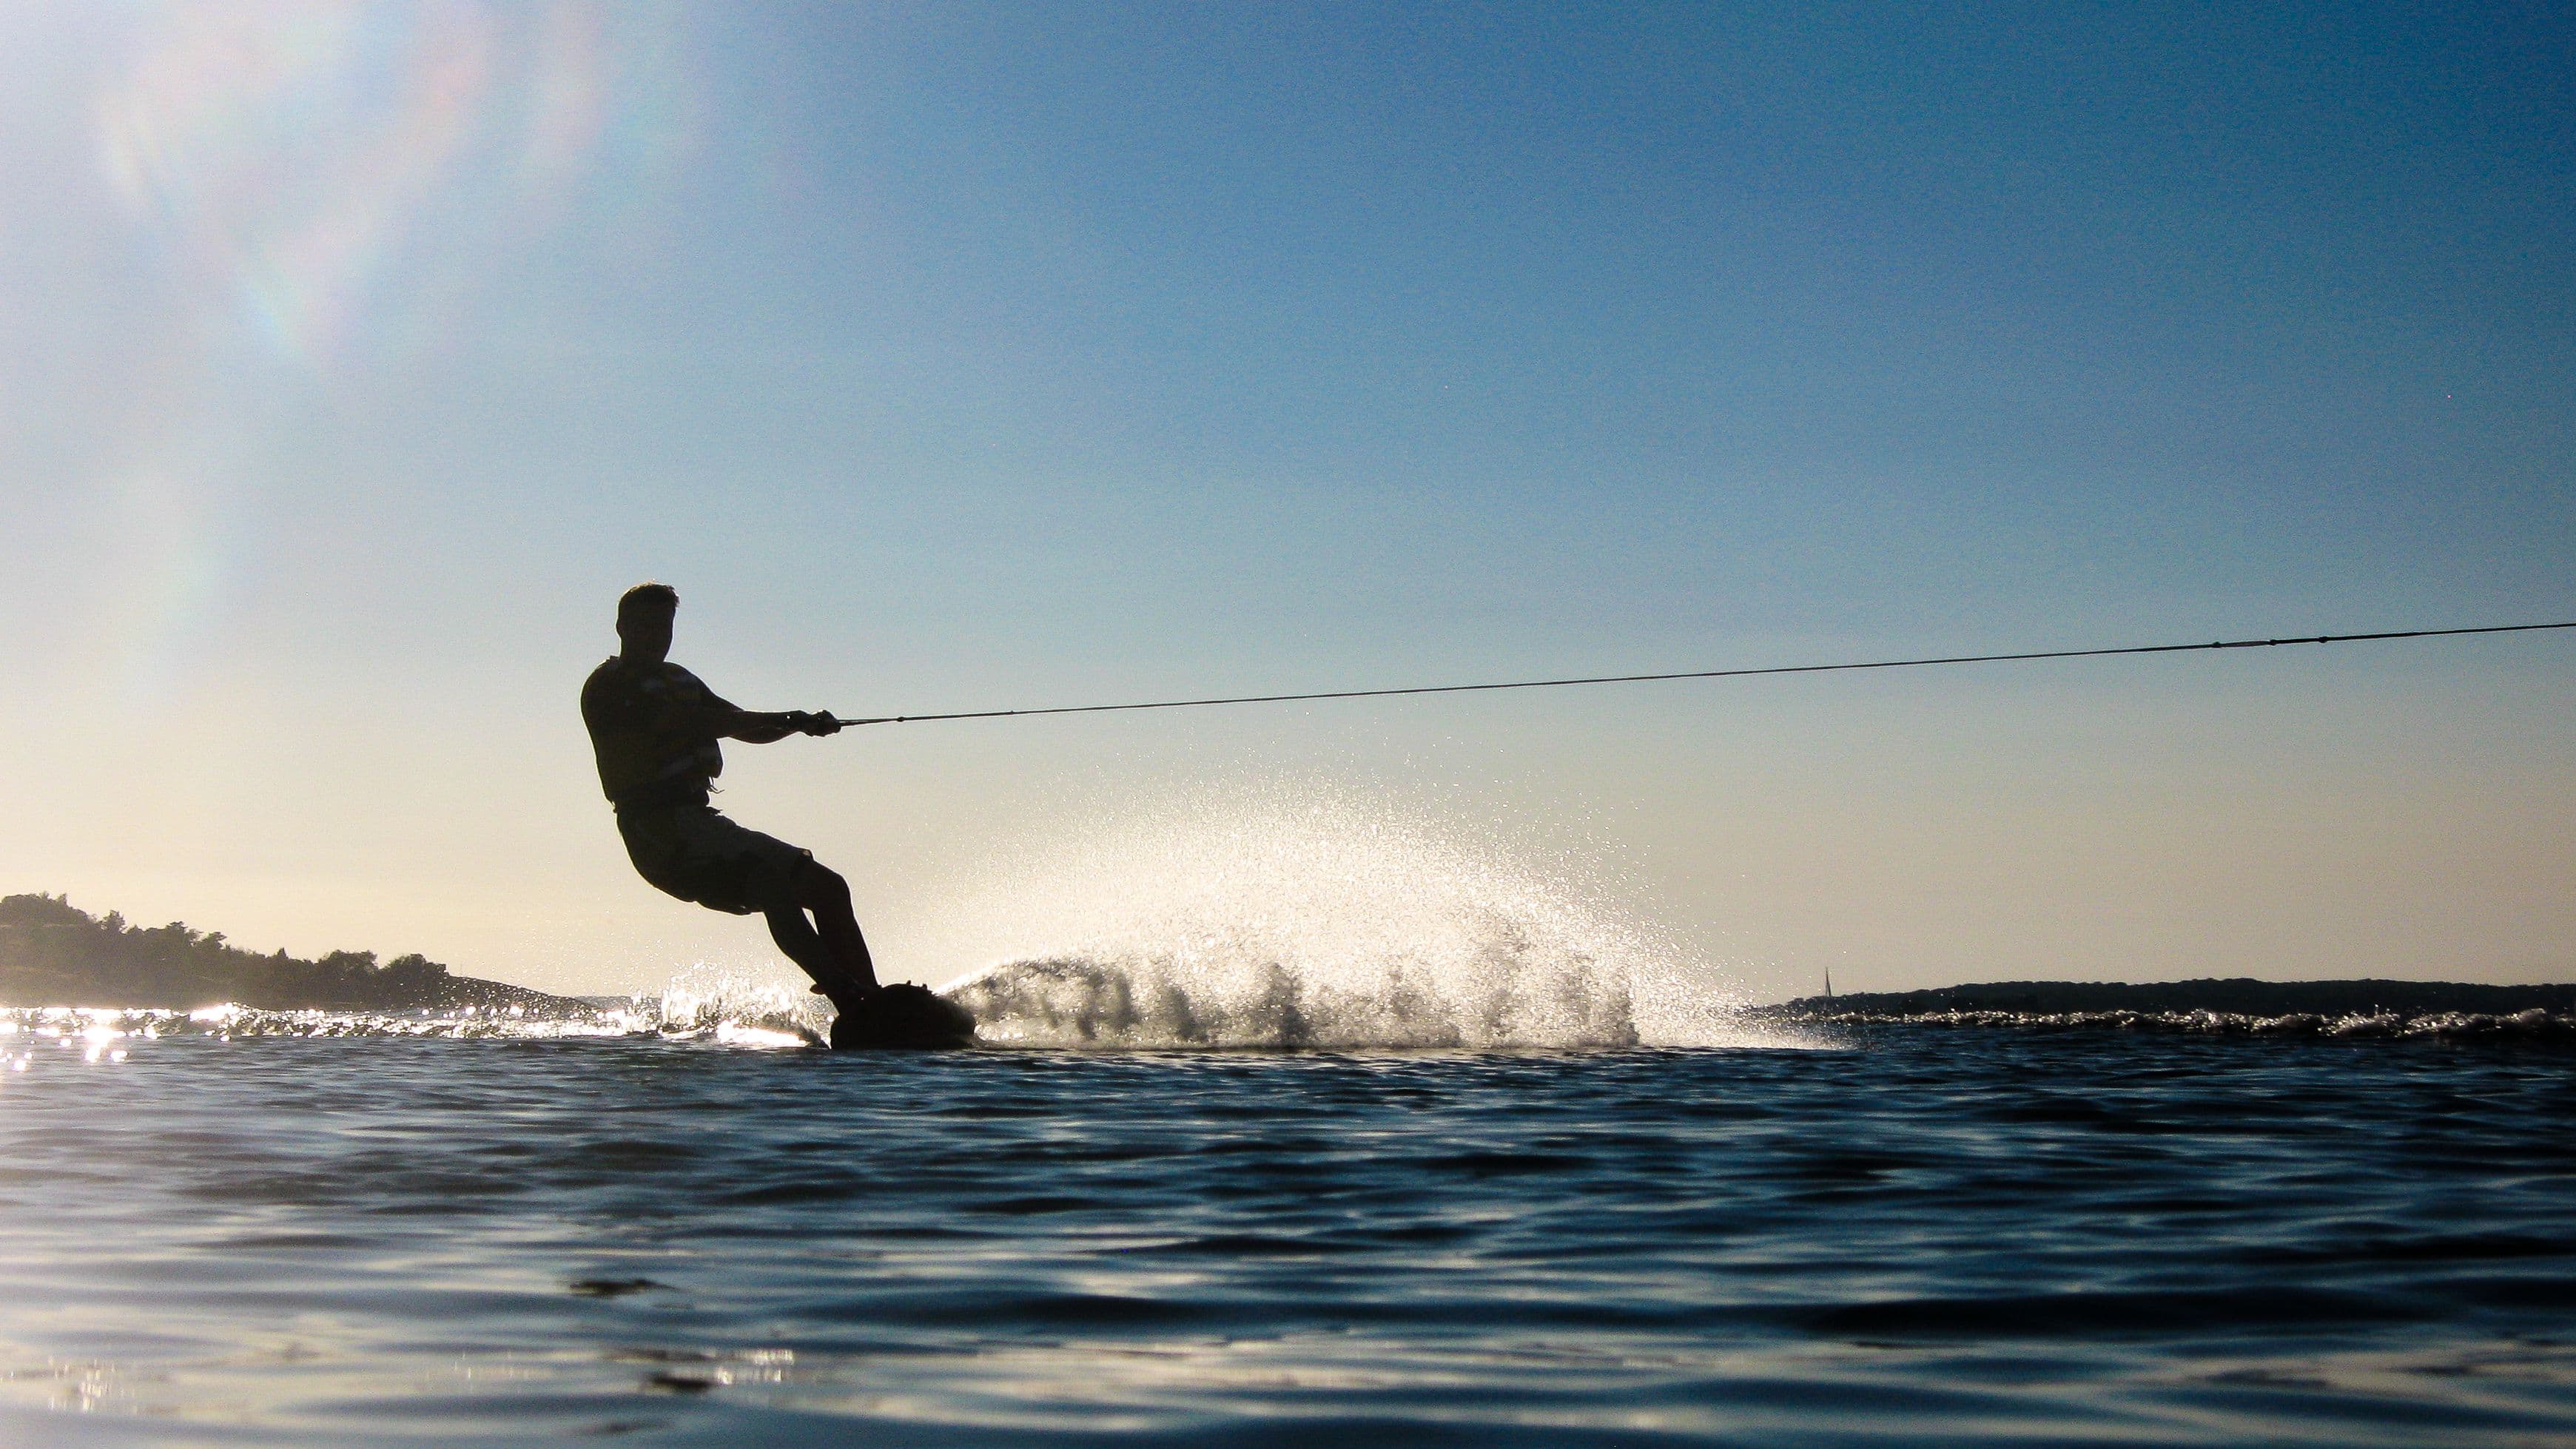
(646, 599)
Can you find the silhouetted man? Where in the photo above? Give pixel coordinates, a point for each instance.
(654, 728)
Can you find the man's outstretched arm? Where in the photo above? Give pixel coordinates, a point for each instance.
(719, 719)
(761, 728)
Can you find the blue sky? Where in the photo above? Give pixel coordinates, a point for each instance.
(355, 356)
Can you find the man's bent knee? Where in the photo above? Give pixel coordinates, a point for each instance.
(819, 885)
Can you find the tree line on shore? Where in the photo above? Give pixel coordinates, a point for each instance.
(52, 953)
(2241, 996)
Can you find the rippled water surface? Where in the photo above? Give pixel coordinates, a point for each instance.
(1914, 1236)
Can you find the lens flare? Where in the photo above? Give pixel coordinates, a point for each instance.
(325, 173)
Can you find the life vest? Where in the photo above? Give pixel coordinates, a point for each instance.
(639, 731)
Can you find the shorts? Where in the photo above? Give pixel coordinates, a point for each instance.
(693, 852)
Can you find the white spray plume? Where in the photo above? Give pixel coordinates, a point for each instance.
(1299, 915)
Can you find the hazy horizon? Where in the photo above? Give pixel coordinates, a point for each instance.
(356, 356)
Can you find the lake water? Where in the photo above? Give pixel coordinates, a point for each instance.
(1895, 1236)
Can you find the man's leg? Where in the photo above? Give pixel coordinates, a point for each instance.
(795, 936)
(836, 922)
(830, 948)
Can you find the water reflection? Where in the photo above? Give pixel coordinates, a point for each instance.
(1933, 1234)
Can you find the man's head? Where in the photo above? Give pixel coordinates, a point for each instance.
(644, 621)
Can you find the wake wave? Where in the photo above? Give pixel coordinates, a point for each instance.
(1168, 1001)
(1293, 917)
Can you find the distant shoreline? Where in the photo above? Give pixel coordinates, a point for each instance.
(2238, 996)
(54, 954)
(2230, 1006)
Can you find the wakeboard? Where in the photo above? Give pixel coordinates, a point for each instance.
(904, 1016)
